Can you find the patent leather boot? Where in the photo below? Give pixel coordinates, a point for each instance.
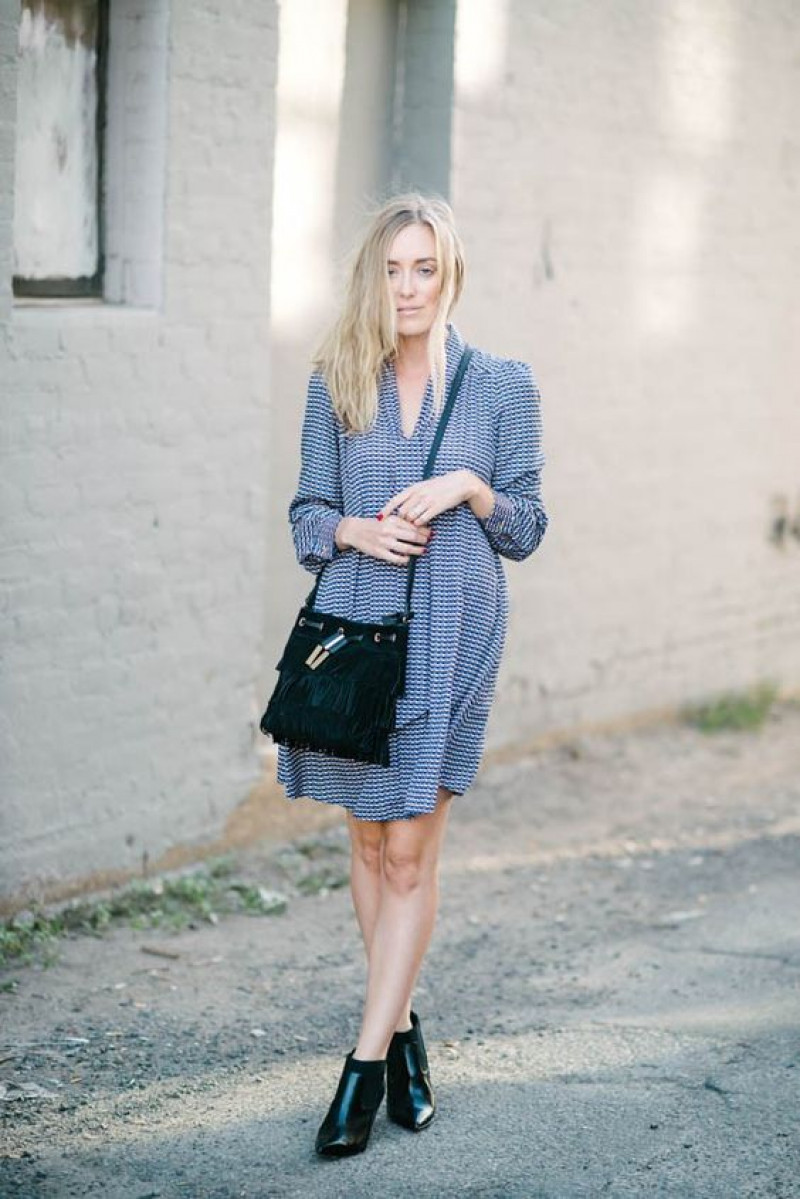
(410, 1099)
(348, 1123)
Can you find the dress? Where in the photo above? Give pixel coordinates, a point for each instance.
(460, 595)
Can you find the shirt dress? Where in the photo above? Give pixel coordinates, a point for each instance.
(460, 596)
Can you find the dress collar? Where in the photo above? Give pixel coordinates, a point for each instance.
(454, 347)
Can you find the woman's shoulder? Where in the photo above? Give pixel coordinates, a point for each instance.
(317, 382)
(506, 379)
(319, 394)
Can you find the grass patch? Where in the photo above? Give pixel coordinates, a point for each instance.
(166, 903)
(313, 865)
(733, 710)
(319, 882)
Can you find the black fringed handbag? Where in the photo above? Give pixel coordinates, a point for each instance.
(339, 680)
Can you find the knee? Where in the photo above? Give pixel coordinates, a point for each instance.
(368, 855)
(405, 872)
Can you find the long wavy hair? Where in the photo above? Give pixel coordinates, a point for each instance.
(352, 355)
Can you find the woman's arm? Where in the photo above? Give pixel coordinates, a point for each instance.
(511, 511)
(316, 508)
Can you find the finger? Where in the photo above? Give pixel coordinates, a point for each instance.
(409, 535)
(408, 522)
(401, 546)
(412, 496)
(417, 514)
(395, 501)
(409, 507)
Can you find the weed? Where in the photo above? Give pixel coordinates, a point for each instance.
(321, 881)
(163, 903)
(733, 710)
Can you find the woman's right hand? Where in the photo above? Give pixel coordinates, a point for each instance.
(394, 539)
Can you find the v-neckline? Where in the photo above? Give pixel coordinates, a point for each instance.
(398, 411)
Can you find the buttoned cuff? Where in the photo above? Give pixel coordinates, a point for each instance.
(501, 517)
(328, 548)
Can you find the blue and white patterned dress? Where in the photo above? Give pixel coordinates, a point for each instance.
(460, 596)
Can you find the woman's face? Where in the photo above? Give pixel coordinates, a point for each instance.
(414, 279)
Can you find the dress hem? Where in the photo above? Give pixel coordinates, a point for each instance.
(409, 815)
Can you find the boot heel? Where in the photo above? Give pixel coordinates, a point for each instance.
(349, 1119)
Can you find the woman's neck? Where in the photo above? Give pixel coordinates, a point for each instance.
(412, 354)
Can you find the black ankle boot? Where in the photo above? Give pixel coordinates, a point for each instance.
(347, 1125)
(409, 1095)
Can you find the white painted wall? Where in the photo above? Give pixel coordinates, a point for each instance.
(135, 175)
(133, 492)
(627, 179)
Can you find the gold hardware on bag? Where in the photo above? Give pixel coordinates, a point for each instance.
(316, 657)
(329, 646)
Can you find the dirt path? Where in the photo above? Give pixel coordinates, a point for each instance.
(611, 1004)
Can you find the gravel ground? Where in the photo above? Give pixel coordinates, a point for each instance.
(610, 1002)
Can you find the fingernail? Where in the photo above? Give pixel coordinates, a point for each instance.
(379, 516)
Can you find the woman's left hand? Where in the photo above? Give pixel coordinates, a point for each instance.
(420, 502)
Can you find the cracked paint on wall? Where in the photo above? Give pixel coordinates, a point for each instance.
(55, 218)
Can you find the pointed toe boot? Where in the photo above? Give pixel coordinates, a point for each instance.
(348, 1122)
(410, 1100)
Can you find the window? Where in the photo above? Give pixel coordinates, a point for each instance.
(58, 213)
(91, 150)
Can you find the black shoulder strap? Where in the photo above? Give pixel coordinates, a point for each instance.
(427, 471)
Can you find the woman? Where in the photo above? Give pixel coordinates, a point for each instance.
(361, 511)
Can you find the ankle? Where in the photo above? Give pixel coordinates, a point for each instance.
(367, 1055)
(366, 1065)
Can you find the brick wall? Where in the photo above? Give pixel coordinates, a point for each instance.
(627, 179)
(134, 491)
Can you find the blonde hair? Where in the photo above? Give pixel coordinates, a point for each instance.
(363, 338)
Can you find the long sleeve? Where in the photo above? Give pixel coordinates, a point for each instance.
(518, 520)
(316, 507)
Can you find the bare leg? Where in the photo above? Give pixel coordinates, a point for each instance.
(366, 867)
(403, 924)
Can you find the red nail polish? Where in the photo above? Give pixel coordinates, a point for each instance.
(379, 516)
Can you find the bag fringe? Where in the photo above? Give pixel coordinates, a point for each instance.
(339, 716)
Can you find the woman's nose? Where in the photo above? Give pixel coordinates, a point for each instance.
(406, 284)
